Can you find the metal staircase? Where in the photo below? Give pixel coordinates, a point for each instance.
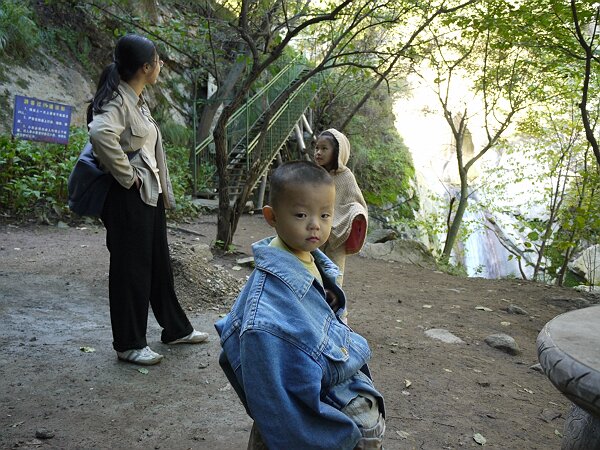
(245, 125)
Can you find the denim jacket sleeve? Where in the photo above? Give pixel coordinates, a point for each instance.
(283, 391)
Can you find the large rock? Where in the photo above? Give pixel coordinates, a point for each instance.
(381, 235)
(588, 264)
(50, 80)
(65, 81)
(443, 335)
(593, 291)
(403, 251)
(503, 342)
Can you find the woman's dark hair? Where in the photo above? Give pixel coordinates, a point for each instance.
(131, 52)
(336, 148)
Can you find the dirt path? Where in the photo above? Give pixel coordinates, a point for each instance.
(53, 302)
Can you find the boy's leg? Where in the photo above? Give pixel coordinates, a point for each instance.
(255, 442)
(364, 411)
(372, 438)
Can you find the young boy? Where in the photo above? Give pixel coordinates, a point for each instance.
(300, 372)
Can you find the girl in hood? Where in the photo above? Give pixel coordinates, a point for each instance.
(350, 218)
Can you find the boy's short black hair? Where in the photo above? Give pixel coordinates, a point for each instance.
(296, 172)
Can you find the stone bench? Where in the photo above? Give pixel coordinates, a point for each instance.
(569, 353)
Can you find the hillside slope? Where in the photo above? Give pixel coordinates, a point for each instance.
(46, 79)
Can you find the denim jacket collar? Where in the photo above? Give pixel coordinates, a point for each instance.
(288, 268)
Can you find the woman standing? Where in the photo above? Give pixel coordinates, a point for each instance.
(127, 142)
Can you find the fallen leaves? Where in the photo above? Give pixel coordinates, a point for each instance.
(402, 434)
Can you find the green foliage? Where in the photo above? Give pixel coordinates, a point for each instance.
(174, 133)
(33, 175)
(452, 269)
(555, 166)
(5, 106)
(206, 174)
(19, 34)
(384, 167)
(227, 249)
(578, 220)
(76, 41)
(572, 279)
(181, 180)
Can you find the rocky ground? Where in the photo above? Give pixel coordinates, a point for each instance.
(62, 386)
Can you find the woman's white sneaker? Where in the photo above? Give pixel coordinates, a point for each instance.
(195, 337)
(142, 356)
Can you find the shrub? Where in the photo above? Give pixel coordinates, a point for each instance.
(19, 34)
(181, 180)
(33, 175)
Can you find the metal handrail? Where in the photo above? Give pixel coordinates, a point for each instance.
(280, 124)
(279, 113)
(286, 70)
(291, 65)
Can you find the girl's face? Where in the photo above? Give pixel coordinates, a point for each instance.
(324, 152)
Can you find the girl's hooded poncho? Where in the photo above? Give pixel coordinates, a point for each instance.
(349, 201)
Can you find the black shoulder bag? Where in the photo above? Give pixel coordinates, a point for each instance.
(88, 185)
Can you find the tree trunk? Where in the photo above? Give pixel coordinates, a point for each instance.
(560, 279)
(457, 221)
(589, 56)
(224, 233)
(369, 92)
(224, 91)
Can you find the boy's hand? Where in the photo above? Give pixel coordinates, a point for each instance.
(332, 300)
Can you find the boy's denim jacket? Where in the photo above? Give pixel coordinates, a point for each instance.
(292, 361)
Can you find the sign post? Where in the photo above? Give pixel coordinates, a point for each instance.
(41, 120)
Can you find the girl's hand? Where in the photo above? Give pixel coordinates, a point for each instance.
(332, 300)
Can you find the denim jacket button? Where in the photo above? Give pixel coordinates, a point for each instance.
(344, 351)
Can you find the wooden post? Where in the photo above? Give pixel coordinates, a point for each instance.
(300, 140)
(261, 191)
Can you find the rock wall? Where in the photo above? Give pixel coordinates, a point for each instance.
(588, 265)
(46, 79)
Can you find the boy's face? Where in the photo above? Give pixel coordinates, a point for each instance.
(303, 217)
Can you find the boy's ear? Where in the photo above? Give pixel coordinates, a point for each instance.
(269, 215)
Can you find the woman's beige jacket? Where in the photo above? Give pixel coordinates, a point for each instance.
(122, 128)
